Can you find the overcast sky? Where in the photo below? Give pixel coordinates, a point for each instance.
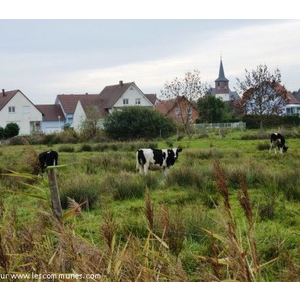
(44, 58)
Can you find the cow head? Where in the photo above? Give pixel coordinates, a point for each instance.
(172, 156)
(285, 148)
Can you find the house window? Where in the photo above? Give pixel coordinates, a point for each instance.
(189, 112)
(177, 111)
(12, 109)
(137, 101)
(125, 101)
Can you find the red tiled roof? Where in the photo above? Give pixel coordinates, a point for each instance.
(69, 102)
(51, 112)
(292, 99)
(165, 106)
(8, 95)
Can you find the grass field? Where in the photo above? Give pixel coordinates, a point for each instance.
(228, 210)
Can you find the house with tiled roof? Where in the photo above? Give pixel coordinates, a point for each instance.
(112, 97)
(282, 101)
(53, 118)
(180, 109)
(15, 107)
(292, 106)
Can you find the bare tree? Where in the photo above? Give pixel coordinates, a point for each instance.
(263, 95)
(191, 88)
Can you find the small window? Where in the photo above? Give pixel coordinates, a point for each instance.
(11, 109)
(137, 101)
(189, 112)
(177, 111)
(125, 101)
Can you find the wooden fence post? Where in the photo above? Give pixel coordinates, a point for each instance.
(54, 194)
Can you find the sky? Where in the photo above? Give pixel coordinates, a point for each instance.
(46, 57)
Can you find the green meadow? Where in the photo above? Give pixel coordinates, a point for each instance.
(227, 211)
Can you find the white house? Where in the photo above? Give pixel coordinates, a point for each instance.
(112, 97)
(15, 107)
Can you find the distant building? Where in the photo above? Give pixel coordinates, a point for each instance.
(291, 105)
(179, 109)
(221, 89)
(53, 118)
(15, 107)
(79, 107)
(297, 94)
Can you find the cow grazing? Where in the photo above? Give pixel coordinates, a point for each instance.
(48, 158)
(277, 141)
(152, 159)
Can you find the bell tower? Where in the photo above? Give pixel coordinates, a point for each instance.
(221, 83)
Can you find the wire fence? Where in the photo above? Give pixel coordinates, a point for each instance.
(236, 125)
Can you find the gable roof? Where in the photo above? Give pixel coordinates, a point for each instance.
(112, 93)
(166, 106)
(292, 99)
(280, 90)
(8, 95)
(51, 112)
(96, 104)
(69, 102)
(152, 98)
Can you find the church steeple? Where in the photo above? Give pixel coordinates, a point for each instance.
(221, 83)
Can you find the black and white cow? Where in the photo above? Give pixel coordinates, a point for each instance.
(48, 158)
(152, 159)
(277, 141)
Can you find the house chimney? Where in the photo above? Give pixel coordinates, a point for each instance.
(121, 82)
(3, 92)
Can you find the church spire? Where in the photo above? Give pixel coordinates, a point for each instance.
(221, 77)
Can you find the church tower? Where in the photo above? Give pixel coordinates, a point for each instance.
(222, 84)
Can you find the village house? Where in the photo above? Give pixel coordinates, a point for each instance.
(15, 107)
(291, 105)
(180, 109)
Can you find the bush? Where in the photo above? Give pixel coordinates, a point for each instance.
(66, 148)
(85, 148)
(125, 186)
(11, 130)
(80, 188)
(137, 123)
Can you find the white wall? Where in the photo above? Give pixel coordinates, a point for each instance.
(78, 117)
(22, 116)
(131, 94)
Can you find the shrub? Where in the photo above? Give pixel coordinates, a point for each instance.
(125, 186)
(136, 123)
(185, 177)
(11, 130)
(80, 188)
(85, 148)
(263, 146)
(66, 148)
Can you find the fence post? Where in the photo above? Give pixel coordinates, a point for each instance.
(54, 194)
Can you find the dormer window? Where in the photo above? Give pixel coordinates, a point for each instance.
(125, 101)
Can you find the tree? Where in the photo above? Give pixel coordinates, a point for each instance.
(190, 87)
(11, 129)
(263, 95)
(212, 109)
(137, 123)
(90, 127)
